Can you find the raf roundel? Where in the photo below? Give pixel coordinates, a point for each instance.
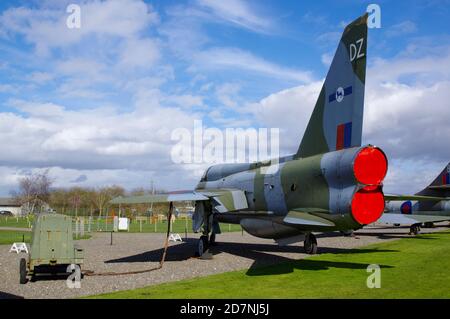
(340, 94)
(406, 207)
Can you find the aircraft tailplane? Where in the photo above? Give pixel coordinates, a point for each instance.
(440, 187)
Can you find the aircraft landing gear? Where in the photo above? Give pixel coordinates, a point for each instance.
(212, 239)
(414, 229)
(202, 245)
(348, 233)
(310, 244)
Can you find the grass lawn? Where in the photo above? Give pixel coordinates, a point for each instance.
(416, 267)
(8, 237)
(19, 222)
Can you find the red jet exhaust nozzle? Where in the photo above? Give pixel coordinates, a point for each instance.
(370, 168)
(368, 205)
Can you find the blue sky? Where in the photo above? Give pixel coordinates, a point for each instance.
(97, 104)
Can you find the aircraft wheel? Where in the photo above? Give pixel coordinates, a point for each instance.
(414, 230)
(202, 245)
(347, 233)
(310, 244)
(23, 271)
(212, 239)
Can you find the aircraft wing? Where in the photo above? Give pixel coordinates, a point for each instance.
(440, 187)
(304, 216)
(390, 197)
(159, 198)
(224, 200)
(392, 218)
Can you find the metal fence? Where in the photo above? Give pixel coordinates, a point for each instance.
(13, 229)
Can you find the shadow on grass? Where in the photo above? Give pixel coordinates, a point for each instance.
(305, 264)
(383, 235)
(384, 232)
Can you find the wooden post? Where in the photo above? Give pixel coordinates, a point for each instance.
(140, 225)
(76, 228)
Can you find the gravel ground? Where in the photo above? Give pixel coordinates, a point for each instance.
(131, 252)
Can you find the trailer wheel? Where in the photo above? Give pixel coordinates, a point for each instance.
(23, 271)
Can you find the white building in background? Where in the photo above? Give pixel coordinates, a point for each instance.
(9, 204)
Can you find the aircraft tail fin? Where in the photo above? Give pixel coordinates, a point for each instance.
(440, 187)
(336, 122)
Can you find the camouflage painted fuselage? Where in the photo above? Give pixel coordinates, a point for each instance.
(321, 185)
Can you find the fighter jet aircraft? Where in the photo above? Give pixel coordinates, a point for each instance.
(432, 204)
(331, 183)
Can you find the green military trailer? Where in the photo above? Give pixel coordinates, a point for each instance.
(52, 247)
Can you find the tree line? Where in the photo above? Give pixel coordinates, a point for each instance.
(35, 194)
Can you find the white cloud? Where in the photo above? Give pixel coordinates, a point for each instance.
(409, 121)
(239, 13)
(46, 28)
(227, 94)
(142, 53)
(288, 110)
(185, 101)
(402, 28)
(431, 68)
(329, 38)
(7, 88)
(326, 59)
(88, 138)
(81, 67)
(40, 77)
(233, 58)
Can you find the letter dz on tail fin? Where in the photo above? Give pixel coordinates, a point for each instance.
(336, 122)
